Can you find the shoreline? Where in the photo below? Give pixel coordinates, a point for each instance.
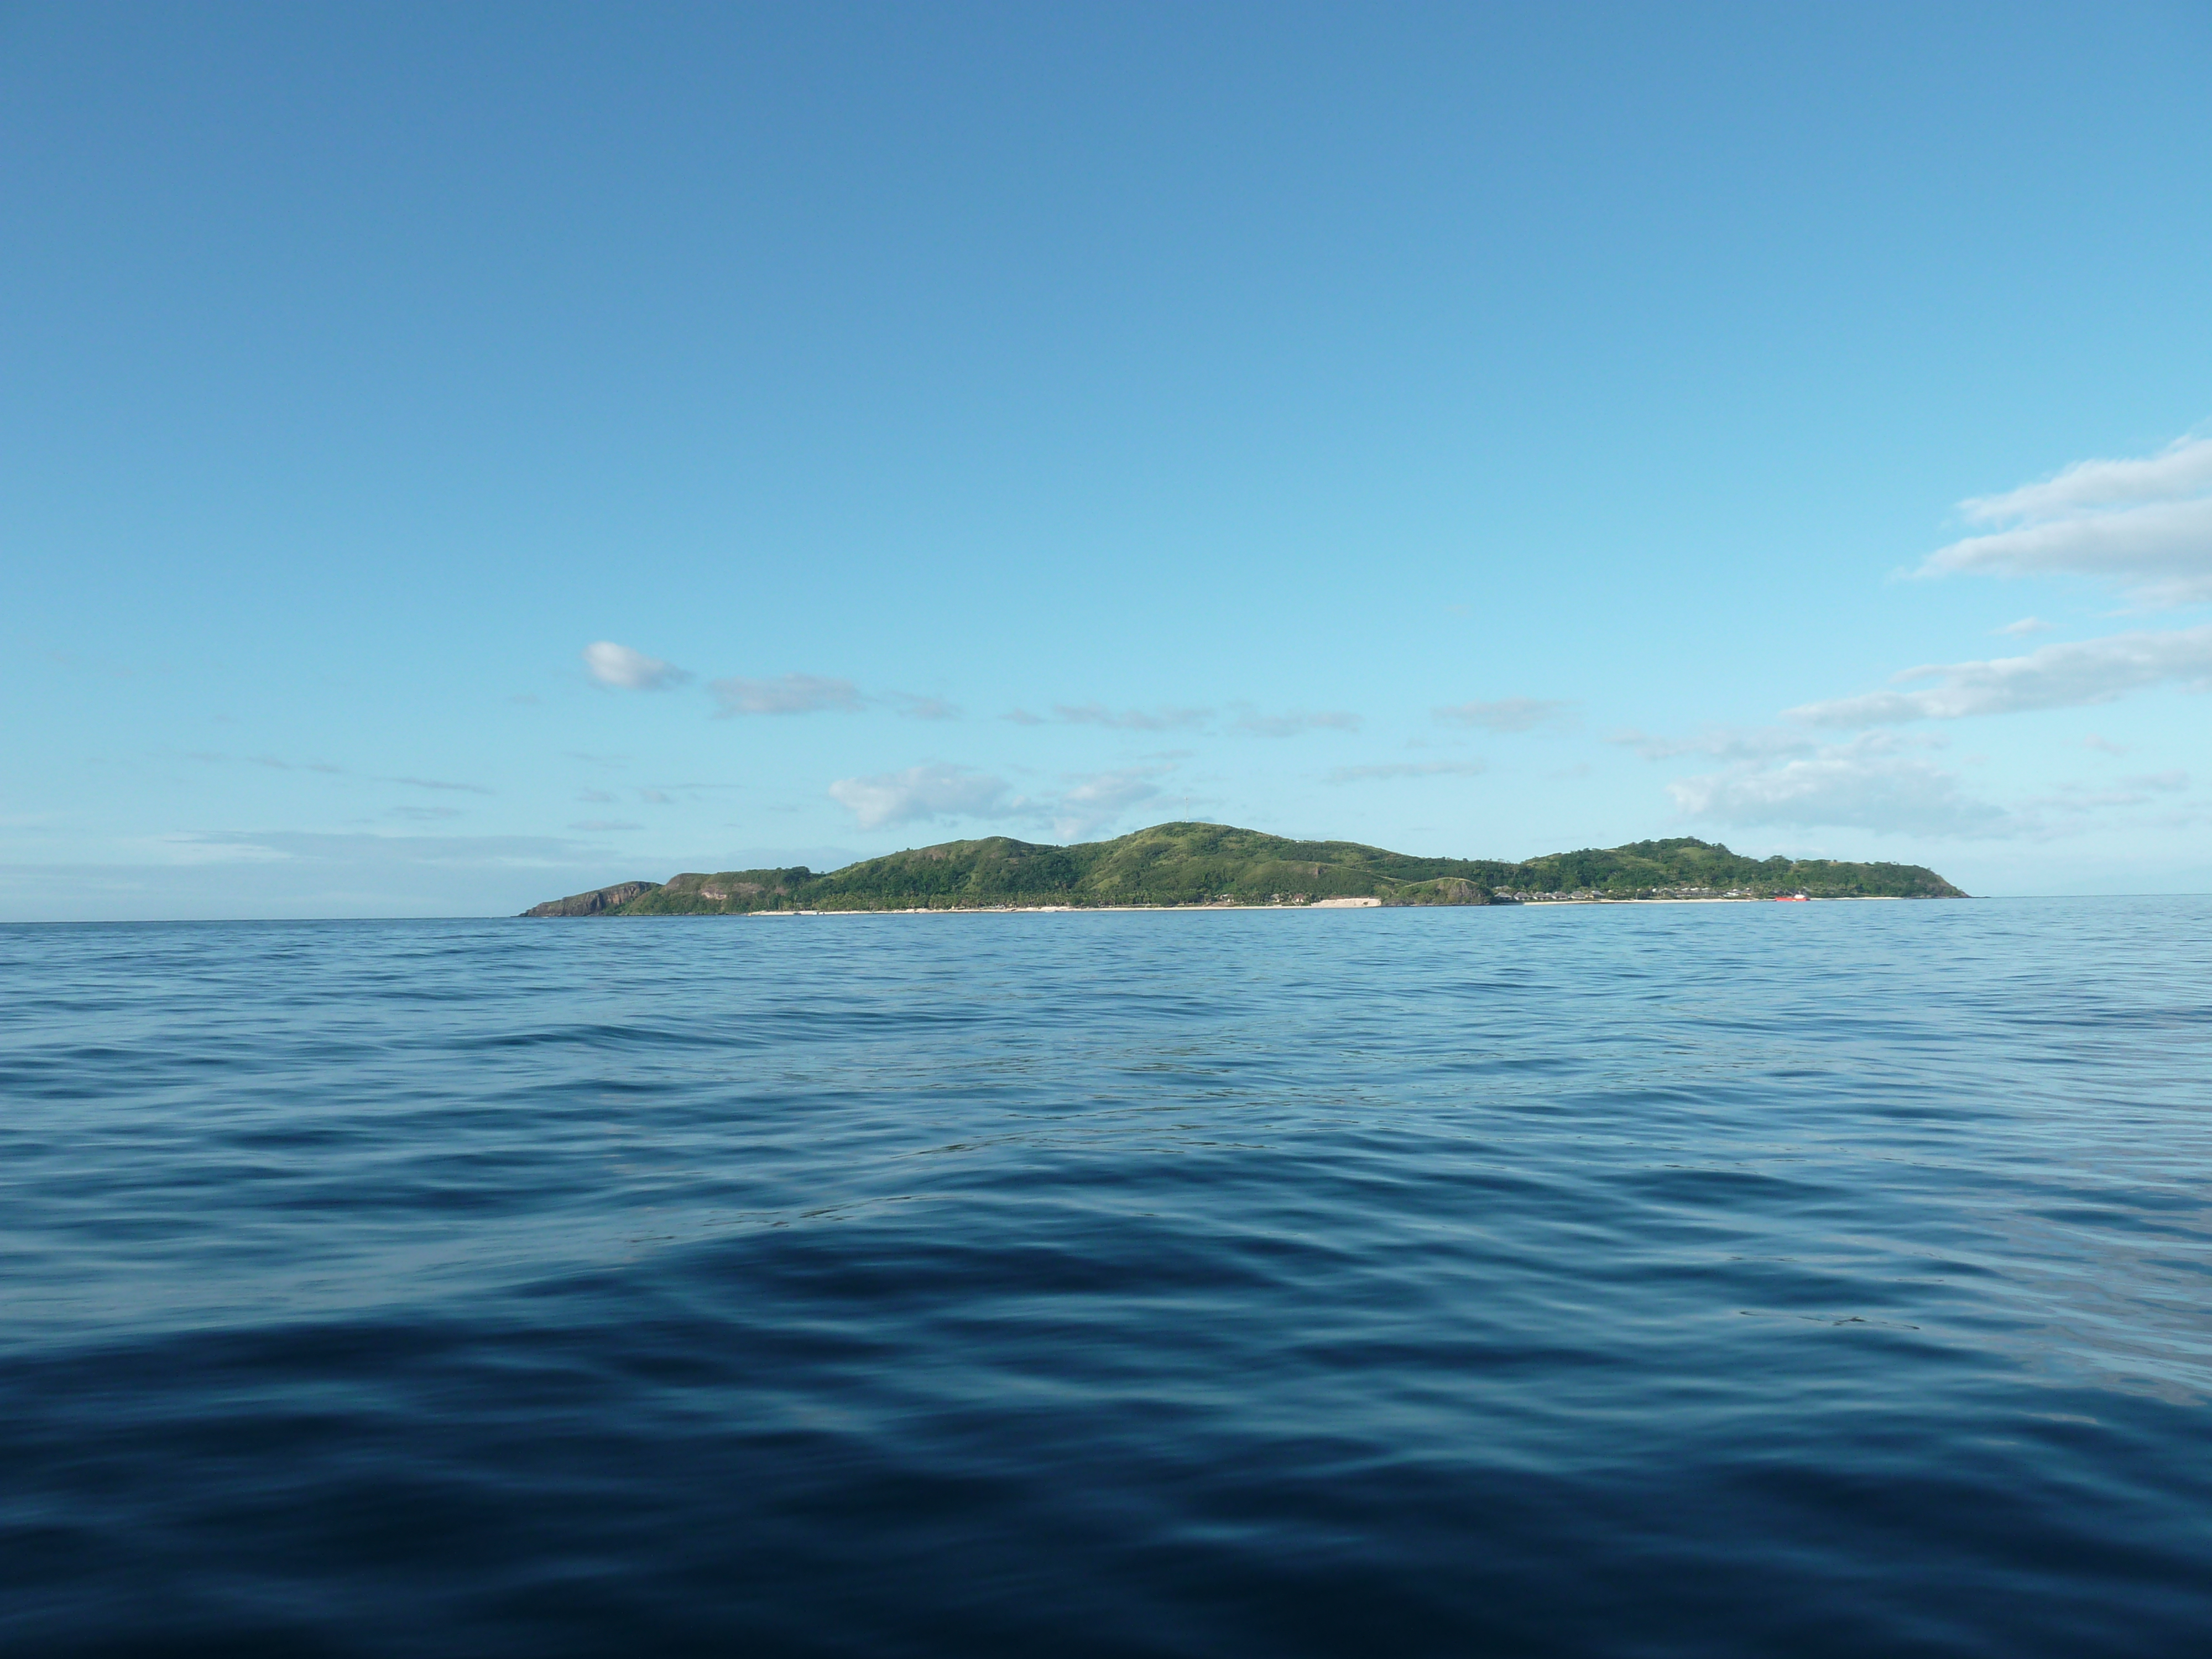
(1319, 904)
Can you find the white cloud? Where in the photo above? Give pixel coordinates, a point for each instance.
(1508, 713)
(1866, 783)
(791, 694)
(2025, 625)
(1721, 742)
(926, 709)
(941, 791)
(1255, 724)
(930, 791)
(2145, 525)
(630, 671)
(1407, 770)
(2183, 468)
(2055, 677)
(1097, 801)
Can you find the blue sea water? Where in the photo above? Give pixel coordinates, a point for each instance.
(1628, 1280)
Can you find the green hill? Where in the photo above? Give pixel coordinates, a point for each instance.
(1214, 864)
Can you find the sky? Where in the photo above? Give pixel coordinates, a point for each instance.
(452, 457)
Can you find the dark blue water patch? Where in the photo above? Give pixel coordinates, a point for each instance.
(1680, 1280)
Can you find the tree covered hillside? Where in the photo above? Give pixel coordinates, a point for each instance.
(1685, 865)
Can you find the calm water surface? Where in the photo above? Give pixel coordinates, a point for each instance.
(1793, 1279)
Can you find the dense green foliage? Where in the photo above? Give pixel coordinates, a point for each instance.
(1685, 864)
(1214, 864)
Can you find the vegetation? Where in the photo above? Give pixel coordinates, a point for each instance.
(1214, 864)
(1684, 866)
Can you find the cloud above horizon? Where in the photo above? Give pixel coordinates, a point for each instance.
(926, 709)
(939, 790)
(1730, 743)
(1251, 722)
(789, 694)
(1098, 800)
(933, 790)
(625, 670)
(1407, 770)
(1507, 714)
(524, 851)
(1868, 782)
(2144, 524)
(2069, 676)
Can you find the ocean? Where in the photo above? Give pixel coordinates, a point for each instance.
(1625, 1280)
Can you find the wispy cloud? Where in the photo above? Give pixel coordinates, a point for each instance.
(1508, 714)
(2145, 525)
(523, 851)
(925, 709)
(1089, 805)
(939, 790)
(935, 790)
(1253, 723)
(441, 783)
(1125, 719)
(1730, 743)
(2056, 676)
(2183, 468)
(791, 694)
(604, 825)
(2166, 782)
(1869, 782)
(2106, 746)
(1407, 770)
(275, 763)
(2025, 626)
(2076, 801)
(626, 669)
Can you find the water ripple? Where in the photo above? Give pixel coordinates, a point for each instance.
(1716, 1280)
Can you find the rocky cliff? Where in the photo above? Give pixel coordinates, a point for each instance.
(597, 903)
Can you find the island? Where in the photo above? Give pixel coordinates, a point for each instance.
(1181, 866)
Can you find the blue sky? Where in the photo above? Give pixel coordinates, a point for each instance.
(458, 456)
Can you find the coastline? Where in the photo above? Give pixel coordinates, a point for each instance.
(1319, 904)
